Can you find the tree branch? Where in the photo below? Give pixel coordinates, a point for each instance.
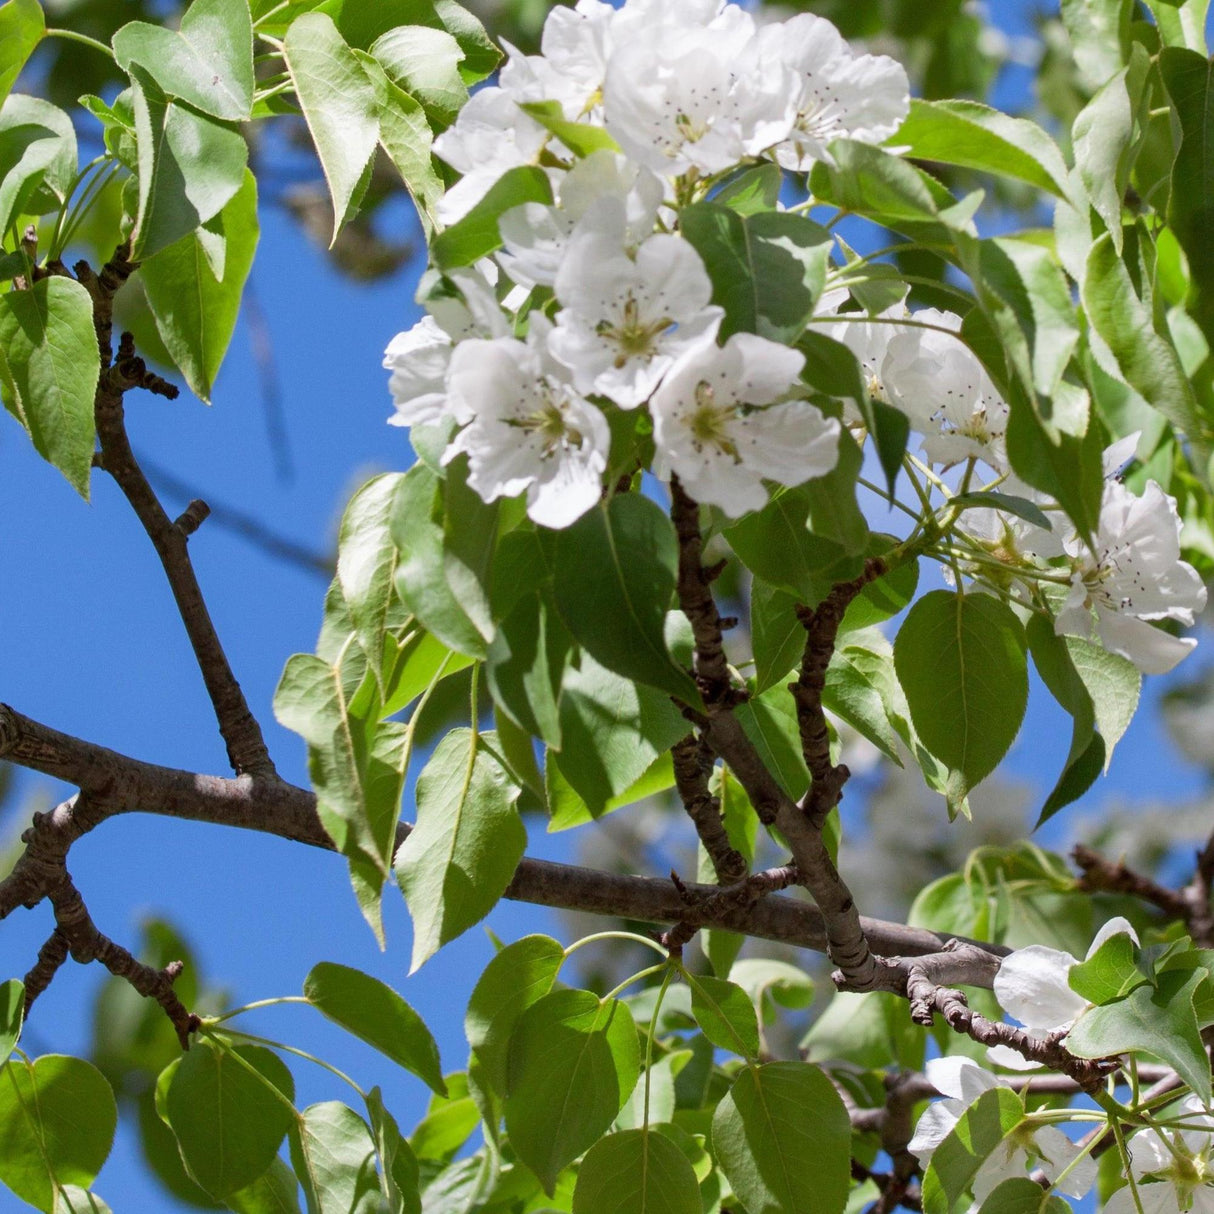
(246, 747)
(720, 728)
(821, 626)
(693, 762)
(117, 784)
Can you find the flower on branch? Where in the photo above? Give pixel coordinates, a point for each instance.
(535, 237)
(528, 428)
(1033, 987)
(420, 357)
(1134, 575)
(961, 1081)
(1178, 1164)
(839, 95)
(624, 320)
(720, 424)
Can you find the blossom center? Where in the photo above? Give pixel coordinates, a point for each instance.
(633, 335)
(549, 423)
(708, 422)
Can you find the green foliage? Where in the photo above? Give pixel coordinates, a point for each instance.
(374, 1012)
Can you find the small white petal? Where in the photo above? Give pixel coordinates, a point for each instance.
(1031, 985)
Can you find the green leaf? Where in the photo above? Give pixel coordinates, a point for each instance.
(361, 24)
(885, 596)
(1064, 466)
(771, 984)
(961, 661)
(230, 1109)
(21, 28)
(420, 662)
(862, 689)
(614, 579)
(526, 660)
(1029, 303)
(399, 1177)
(334, 1157)
(518, 976)
(1020, 1195)
(1099, 31)
(767, 269)
(636, 1172)
(1008, 503)
(975, 136)
(1181, 22)
(1109, 973)
(751, 190)
(1149, 362)
(38, 157)
(426, 577)
(57, 1121)
(194, 304)
(869, 181)
(465, 845)
(866, 1030)
(613, 734)
(1187, 77)
(207, 63)
(339, 102)
(425, 63)
(476, 235)
(49, 367)
(834, 513)
(376, 1014)
(955, 1162)
(781, 1135)
(770, 722)
(574, 1060)
(448, 1122)
(777, 637)
(275, 1191)
(1156, 1020)
(726, 1015)
(71, 1199)
(12, 1013)
(581, 138)
(776, 545)
(406, 136)
(1103, 138)
(190, 167)
(356, 764)
(366, 560)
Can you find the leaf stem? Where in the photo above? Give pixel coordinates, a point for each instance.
(615, 935)
(252, 1007)
(83, 39)
(652, 969)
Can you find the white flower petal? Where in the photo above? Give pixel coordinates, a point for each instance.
(959, 1077)
(1031, 985)
(1057, 1152)
(1116, 926)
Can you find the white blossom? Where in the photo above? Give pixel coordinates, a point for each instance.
(938, 382)
(838, 95)
(490, 136)
(1182, 1163)
(528, 428)
(696, 97)
(604, 186)
(1135, 575)
(962, 1081)
(419, 358)
(1032, 987)
(711, 428)
(624, 320)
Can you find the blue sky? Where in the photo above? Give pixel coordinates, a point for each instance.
(93, 647)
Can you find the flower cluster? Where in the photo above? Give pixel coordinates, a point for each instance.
(597, 306)
(618, 305)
